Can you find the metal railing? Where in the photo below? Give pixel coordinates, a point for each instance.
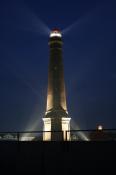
(92, 135)
(72, 135)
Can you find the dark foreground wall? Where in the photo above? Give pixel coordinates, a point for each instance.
(57, 157)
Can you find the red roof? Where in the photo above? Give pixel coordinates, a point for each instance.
(56, 30)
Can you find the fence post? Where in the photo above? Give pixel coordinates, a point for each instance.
(66, 135)
(18, 136)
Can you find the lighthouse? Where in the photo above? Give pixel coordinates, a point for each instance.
(56, 120)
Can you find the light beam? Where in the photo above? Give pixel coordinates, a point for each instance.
(80, 133)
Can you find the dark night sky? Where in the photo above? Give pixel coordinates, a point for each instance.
(89, 54)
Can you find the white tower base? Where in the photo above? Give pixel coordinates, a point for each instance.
(65, 129)
(47, 129)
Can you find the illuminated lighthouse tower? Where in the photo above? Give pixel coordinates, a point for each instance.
(56, 120)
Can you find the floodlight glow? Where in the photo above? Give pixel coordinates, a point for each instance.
(55, 33)
(100, 127)
(27, 138)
